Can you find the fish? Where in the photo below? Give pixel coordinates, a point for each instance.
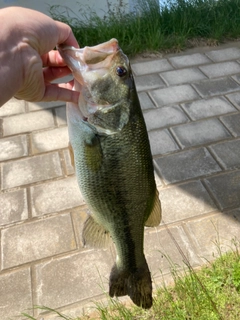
(110, 149)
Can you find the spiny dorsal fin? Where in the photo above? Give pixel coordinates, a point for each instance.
(155, 217)
(71, 153)
(95, 235)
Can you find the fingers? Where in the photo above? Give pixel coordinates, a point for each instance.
(52, 73)
(52, 58)
(65, 35)
(60, 92)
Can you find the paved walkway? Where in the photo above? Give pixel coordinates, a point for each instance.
(191, 103)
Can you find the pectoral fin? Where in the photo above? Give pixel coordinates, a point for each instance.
(155, 217)
(95, 235)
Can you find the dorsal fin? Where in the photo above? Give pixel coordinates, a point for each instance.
(155, 217)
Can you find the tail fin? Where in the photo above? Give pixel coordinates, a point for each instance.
(138, 285)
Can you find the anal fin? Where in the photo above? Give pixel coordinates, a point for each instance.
(95, 235)
(155, 217)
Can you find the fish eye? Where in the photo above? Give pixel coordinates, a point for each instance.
(121, 71)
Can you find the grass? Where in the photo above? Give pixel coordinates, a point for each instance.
(174, 25)
(212, 293)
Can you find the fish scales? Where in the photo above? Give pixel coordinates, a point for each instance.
(114, 170)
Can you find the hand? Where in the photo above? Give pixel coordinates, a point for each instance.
(27, 40)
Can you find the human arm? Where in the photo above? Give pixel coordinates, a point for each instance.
(28, 63)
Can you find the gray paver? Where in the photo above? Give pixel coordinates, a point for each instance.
(173, 95)
(68, 162)
(187, 75)
(220, 69)
(61, 116)
(164, 117)
(232, 123)
(226, 189)
(145, 101)
(36, 240)
(15, 294)
(227, 154)
(201, 132)
(76, 277)
(205, 108)
(13, 106)
(13, 147)
(189, 60)
(55, 196)
(28, 122)
(148, 67)
(29, 170)
(186, 165)
(48, 140)
(162, 142)
(35, 106)
(215, 87)
(185, 201)
(148, 82)
(207, 231)
(161, 251)
(13, 206)
(235, 99)
(224, 54)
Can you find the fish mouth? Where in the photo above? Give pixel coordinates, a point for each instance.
(87, 65)
(96, 59)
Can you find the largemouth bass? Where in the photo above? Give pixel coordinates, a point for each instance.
(113, 163)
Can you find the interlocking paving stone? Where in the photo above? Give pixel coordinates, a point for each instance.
(235, 99)
(161, 250)
(55, 196)
(36, 240)
(236, 78)
(34, 106)
(15, 294)
(173, 95)
(162, 142)
(13, 147)
(232, 123)
(13, 206)
(28, 122)
(188, 75)
(207, 232)
(13, 106)
(145, 101)
(30, 170)
(148, 82)
(189, 60)
(220, 69)
(164, 117)
(201, 132)
(205, 108)
(48, 140)
(224, 54)
(61, 115)
(76, 277)
(185, 201)
(225, 189)
(227, 154)
(216, 87)
(148, 67)
(68, 162)
(186, 165)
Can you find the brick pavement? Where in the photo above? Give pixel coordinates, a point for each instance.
(191, 104)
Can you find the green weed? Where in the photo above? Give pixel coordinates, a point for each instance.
(152, 27)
